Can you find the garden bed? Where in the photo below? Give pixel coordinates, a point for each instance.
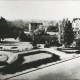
(69, 50)
(30, 60)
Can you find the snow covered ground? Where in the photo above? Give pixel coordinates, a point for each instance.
(20, 45)
(11, 39)
(25, 46)
(36, 57)
(62, 55)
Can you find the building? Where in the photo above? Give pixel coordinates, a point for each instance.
(34, 26)
(76, 23)
(76, 33)
(76, 28)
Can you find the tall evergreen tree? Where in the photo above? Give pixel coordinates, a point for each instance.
(7, 30)
(68, 34)
(22, 36)
(3, 28)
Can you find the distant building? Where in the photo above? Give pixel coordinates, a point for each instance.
(34, 26)
(76, 27)
(76, 23)
(76, 33)
(76, 30)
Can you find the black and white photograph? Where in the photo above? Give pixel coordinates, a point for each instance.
(39, 40)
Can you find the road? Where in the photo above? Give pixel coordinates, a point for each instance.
(66, 70)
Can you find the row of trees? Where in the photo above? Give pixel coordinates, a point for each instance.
(67, 36)
(39, 36)
(8, 30)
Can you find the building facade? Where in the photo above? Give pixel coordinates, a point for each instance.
(34, 26)
(76, 28)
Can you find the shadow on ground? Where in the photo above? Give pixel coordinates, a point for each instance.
(18, 66)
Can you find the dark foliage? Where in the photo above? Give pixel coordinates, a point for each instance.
(53, 28)
(24, 37)
(8, 30)
(78, 43)
(18, 66)
(68, 34)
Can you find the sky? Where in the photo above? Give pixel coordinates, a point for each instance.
(39, 10)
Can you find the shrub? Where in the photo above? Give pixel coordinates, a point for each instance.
(78, 43)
